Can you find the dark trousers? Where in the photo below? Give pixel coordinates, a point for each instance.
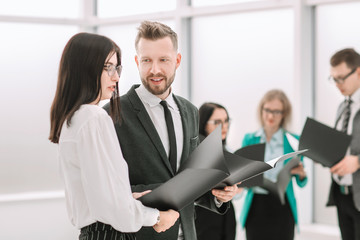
(101, 231)
(348, 215)
(269, 219)
(213, 226)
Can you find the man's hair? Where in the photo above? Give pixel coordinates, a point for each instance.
(347, 55)
(281, 96)
(154, 31)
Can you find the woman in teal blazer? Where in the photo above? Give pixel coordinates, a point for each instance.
(263, 216)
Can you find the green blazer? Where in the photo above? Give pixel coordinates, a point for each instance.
(148, 163)
(251, 139)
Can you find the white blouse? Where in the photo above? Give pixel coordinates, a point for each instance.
(95, 174)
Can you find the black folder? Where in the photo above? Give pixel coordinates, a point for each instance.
(326, 145)
(279, 187)
(206, 169)
(201, 172)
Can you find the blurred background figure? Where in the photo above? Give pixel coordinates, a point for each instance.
(209, 225)
(263, 216)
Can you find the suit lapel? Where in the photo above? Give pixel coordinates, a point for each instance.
(185, 124)
(148, 125)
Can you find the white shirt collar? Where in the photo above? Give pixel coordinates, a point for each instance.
(277, 136)
(355, 98)
(152, 100)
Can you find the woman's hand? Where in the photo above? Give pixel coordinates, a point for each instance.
(299, 170)
(166, 221)
(137, 195)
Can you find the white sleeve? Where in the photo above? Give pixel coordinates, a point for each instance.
(104, 174)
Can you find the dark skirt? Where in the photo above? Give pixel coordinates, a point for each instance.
(269, 219)
(101, 231)
(213, 226)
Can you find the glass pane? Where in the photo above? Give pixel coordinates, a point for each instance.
(29, 66)
(115, 8)
(42, 8)
(199, 3)
(124, 36)
(336, 26)
(236, 64)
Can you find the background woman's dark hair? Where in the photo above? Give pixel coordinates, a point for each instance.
(205, 112)
(79, 79)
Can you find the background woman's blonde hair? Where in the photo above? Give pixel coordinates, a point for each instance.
(281, 96)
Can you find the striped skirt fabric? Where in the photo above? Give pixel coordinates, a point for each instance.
(101, 231)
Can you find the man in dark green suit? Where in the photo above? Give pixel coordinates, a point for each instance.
(143, 132)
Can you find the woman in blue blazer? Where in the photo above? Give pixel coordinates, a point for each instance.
(263, 215)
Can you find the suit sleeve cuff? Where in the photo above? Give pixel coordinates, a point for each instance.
(217, 202)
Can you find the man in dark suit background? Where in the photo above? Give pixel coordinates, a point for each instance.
(345, 187)
(144, 135)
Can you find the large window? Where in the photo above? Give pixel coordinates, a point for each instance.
(235, 63)
(30, 55)
(115, 8)
(41, 8)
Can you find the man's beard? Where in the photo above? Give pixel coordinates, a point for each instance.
(158, 90)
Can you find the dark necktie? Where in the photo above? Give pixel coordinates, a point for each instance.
(171, 133)
(346, 114)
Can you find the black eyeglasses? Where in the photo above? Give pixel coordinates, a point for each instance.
(342, 80)
(111, 69)
(276, 113)
(217, 122)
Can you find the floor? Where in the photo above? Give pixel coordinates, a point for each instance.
(318, 232)
(309, 232)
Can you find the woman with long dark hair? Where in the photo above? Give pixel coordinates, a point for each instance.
(95, 174)
(209, 225)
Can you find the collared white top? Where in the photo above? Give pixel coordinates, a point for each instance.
(157, 115)
(95, 174)
(355, 107)
(273, 149)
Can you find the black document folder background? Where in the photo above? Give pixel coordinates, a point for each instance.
(283, 179)
(245, 163)
(326, 145)
(202, 171)
(255, 152)
(251, 170)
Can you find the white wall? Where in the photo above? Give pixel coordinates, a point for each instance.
(36, 219)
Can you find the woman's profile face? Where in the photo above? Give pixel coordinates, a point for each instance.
(272, 114)
(218, 117)
(109, 77)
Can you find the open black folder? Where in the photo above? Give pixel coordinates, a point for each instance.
(254, 152)
(278, 188)
(243, 167)
(326, 145)
(205, 169)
